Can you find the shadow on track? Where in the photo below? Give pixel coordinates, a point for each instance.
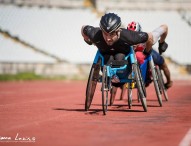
(115, 108)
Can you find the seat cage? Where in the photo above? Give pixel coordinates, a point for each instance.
(123, 69)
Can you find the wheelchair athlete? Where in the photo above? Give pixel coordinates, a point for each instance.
(157, 58)
(113, 41)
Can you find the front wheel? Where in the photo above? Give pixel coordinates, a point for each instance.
(91, 85)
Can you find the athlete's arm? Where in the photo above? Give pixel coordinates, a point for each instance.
(149, 44)
(133, 37)
(160, 32)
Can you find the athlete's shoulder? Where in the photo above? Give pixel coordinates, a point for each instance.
(133, 37)
(127, 33)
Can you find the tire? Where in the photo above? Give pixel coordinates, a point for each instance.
(140, 86)
(141, 81)
(156, 85)
(156, 82)
(105, 90)
(157, 88)
(91, 85)
(161, 84)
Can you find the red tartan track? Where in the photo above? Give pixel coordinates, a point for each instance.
(51, 113)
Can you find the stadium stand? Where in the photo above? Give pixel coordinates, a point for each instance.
(186, 16)
(48, 33)
(56, 31)
(104, 5)
(178, 37)
(53, 30)
(179, 31)
(46, 3)
(15, 57)
(13, 52)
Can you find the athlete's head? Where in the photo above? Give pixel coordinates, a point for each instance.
(134, 26)
(110, 24)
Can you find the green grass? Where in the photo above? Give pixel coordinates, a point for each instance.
(29, 76)
(20, 76)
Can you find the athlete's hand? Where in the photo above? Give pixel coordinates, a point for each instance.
(88, 41)
(162, 47)
(86, 38)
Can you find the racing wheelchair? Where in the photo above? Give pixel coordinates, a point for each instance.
(151, 73)
(127, 70)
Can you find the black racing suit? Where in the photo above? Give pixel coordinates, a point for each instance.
(120, 48)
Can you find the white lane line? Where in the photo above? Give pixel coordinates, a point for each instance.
(186, 141)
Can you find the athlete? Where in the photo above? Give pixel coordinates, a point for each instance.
(157, 58)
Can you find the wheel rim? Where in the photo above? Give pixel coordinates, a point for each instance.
(161, 82)
(105, 90)
(91, 85)
(156, 85)
(140, 92)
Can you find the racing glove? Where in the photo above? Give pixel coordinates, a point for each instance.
(88, 42)
(162, 47)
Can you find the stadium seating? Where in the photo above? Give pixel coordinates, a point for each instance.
(53, 30)
(57, 31)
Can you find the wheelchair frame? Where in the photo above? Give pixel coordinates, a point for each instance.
(107, 72)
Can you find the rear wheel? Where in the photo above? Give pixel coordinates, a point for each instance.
(105, 90)
(163, 90)
(140, 86)
(91, 85)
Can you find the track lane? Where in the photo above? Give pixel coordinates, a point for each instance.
(53, 113)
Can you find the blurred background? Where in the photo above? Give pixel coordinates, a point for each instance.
(42, 38)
